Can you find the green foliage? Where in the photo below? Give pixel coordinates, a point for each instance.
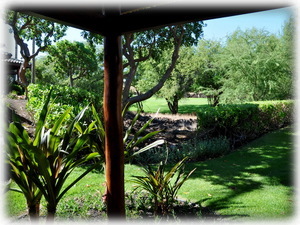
(163, 185)
(257, 181)
(46, 162)
(65, 97)
(245, 121)
(209, 72)
(72, 59)
(45, 74)
(200, 150)
(256, 67)
(19, 144)
(195, 149)
(16, 88)
(179, 82)
(28, 28)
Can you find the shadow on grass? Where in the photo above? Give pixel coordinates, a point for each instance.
(266, 161)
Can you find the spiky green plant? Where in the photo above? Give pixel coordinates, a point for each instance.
(50, 157)
(19, 145)
(132, 141)
(163, 185)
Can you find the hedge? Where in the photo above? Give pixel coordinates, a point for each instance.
(243, 122)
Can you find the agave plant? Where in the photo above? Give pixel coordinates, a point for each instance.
(163, 185)
(50, 157)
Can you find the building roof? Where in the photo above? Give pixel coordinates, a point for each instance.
(12, 63)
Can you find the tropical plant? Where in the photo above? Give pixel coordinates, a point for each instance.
(163, 185)
(50, 157)
(132, 141)
(19, 142)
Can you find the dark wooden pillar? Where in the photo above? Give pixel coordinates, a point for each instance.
(114, 151)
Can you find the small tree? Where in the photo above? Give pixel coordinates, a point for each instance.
(26, 28)
(72, 59)
(178, 84)
(209, 72)
(256, 67)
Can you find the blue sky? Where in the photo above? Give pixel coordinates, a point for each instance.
(271, 20)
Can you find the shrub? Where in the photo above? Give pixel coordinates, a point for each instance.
(244, 122)
(198, 150)
(195, 150)
(64, 98)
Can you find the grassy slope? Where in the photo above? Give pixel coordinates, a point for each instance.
(253, 183)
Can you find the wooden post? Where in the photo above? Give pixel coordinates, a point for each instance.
(114, 151)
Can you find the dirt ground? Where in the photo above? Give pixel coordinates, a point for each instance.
(174, 128)
(18, 106)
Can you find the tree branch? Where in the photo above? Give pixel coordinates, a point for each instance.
(159, 85)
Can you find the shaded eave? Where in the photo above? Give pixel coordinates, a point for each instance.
(138, 18)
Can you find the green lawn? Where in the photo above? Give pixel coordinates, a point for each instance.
(252, 183)
(186, 105)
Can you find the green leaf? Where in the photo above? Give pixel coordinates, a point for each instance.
(152, 145)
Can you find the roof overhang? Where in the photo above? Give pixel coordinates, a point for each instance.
(136, 18)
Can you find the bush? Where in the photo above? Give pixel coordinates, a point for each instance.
(199, 150)
(64, 97)
(243, 122)
(195, 150)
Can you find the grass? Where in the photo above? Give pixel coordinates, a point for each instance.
(186, 105)
(252, 183)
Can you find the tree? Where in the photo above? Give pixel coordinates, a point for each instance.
(72, 59)
(209, 72)
(180, 81)
(26, 28)
(141, 46)
(255, 67)
(44, 72)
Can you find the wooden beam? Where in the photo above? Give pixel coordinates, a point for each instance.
(114, 150)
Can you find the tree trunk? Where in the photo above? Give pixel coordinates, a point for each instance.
(51, 210)
(112, 108)
(173, 105)
(22, 77)
(71, 81)
(34, 211)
